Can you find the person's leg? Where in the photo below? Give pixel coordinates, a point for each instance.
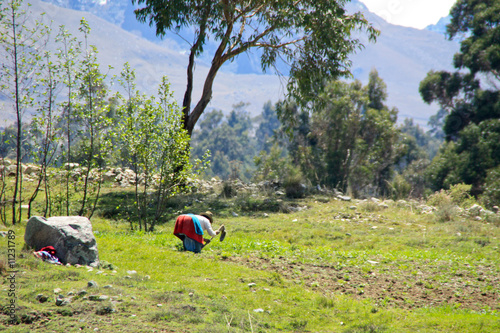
(192, 245)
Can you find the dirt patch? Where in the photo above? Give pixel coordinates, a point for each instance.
(390, 286)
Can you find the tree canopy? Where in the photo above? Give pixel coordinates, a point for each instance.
(313, 36)
(349, 139)
(469, 97)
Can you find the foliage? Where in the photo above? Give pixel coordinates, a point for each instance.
(418, 148)
(491, 192)
(469, 97)
(68, 54)
(268, 127)
(293, 183)
(82, 125)
(154, 145)
(458, 195)
(469, 159)
(229, 141)
(315, 37)
(19, 51)
(44, 133)
(345, 142)
(273, 166)
(92, 115)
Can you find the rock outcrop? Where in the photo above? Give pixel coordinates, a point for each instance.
(71, 236)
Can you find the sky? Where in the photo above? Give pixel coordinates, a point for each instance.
(410, 13)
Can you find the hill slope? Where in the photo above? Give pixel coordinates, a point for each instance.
(403, 56)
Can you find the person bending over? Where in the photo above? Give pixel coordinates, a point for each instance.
(189, 228)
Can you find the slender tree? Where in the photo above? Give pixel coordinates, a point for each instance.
(19, 51)
(68, 58)
(43, 129)
(155, 145)
(92, 112)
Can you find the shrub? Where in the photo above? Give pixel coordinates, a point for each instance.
(458, 195)
(400, 188)
(228, 190)
(439, 199)
(447, 212)
(293, 184)
(491, 189)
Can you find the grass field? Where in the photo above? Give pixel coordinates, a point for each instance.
(308, 265)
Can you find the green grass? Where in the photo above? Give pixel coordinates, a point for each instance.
(324, 268)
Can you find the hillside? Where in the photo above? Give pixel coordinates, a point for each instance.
(151, 61)
(317, 264)
(402, 56)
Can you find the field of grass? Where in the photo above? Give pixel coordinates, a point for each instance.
(308, 265)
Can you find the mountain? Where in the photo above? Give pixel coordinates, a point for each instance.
(440, 26)
(402, 56)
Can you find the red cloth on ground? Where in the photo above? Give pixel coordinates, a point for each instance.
(49, 249)
(184, 225)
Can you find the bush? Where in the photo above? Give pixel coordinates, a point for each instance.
(228, 190)
(447, 212)
(400, 188)
(491, 189)
(458, 195)
(293, 184)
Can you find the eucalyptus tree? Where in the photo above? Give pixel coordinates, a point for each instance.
(469, 98)
(19, 69)
(314, 37)
(349, 140)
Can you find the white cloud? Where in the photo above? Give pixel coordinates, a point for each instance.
(410, 13)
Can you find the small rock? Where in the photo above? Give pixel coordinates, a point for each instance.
(62, 301)
(131, 272)
(252, 284)
(266, 215)
(159, 305)
(372, 262)
(98, 298)
(57, 290)
(92, 284)
(234, 214)
(108, 286)
(353, 207)
(191, 294)
(41, 298)
(348, 234)
(82, 293)
(344, 198)
(258, 310)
